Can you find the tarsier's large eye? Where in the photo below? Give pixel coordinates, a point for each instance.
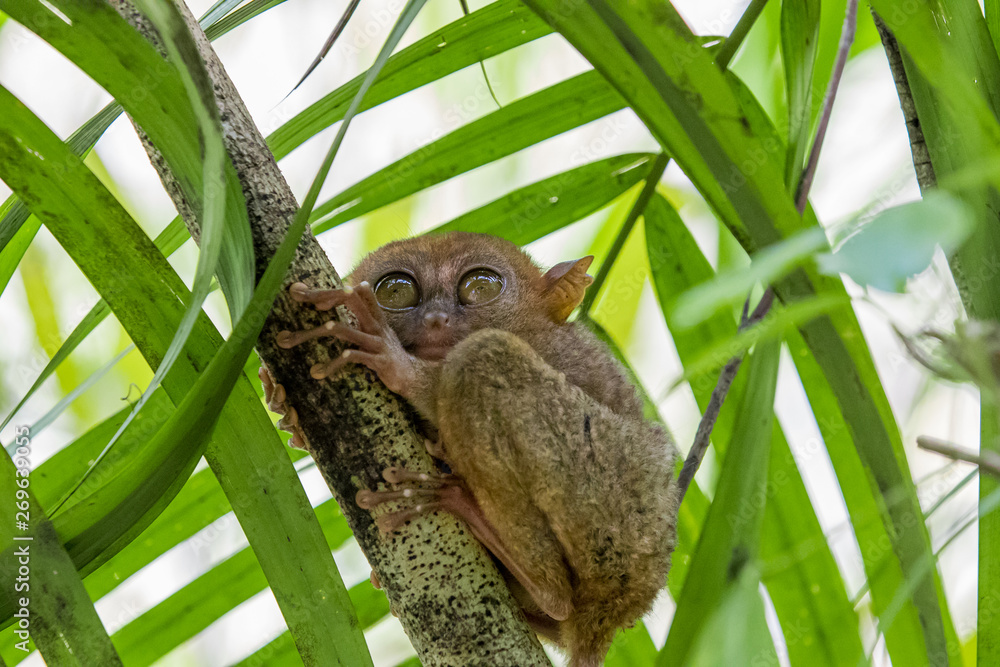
(479, 286)
(397, 291)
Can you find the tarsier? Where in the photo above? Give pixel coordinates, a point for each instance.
(553, 466)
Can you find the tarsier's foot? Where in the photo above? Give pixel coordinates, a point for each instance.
(378, 348)
(443, 487)
(274, 396)
(449, 493)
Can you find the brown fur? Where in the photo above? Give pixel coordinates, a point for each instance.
(540, 421)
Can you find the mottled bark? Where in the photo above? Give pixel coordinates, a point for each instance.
(922, 165)
(453, 604)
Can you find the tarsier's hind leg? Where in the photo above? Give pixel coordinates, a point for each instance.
(497, 440)
(451, 495)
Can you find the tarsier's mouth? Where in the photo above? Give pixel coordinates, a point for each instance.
(434, 345)
(431, 352)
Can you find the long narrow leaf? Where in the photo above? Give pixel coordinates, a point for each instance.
(736, 634)
(238, 17)
(372, 606)
(86, 325)
(808, 593)
(13, 213)
(280, 652)
(496, 28)
(729, 543)
(217, 11)
(66, 400)
(518, 125)
(181, 47)
(10, 256)
(799, 36)
(206, 599)
(632, 646)
(535, 210)
(167, 241)
(54, 478)
(100, 42)
(41, 582)
(988, 617)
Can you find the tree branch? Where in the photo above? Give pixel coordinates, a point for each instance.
(652, 180)
(987, 460)
(439, 580)
(922, 164)
(726, 376)
(843, 51)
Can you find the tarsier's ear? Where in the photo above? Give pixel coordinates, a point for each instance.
(565, 284)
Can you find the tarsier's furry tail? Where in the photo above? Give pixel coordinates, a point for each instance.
(590, 660)
(588, 643)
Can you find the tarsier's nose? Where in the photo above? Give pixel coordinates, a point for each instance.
(437, 319)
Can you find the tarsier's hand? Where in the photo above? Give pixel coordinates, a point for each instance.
(378, 347)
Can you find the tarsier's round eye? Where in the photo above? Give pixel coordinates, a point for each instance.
(479, 286)
(397, 291)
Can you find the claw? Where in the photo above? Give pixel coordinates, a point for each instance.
(279, 395)
(274, 393)
(435, 449)
(290, 421)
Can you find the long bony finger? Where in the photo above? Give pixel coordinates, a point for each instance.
(325, 370)
(323, 299)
